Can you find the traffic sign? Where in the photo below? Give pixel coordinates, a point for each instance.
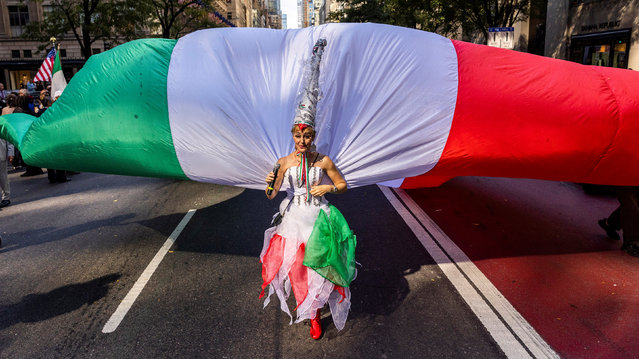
(502, 37)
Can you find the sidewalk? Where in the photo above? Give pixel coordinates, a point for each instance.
(540, 245)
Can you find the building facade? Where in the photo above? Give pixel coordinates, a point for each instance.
(20, 58)
(251, 13)
(313, 12)
(594, 32)
(275, 19)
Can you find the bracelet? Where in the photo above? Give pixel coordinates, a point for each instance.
(334, 190)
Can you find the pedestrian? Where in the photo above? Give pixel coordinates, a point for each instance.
(31, 86)
(625, 218)
(6, 156)
(39, 103)
(11, 100)
(23, 106)
(612, 224)
(3, 96)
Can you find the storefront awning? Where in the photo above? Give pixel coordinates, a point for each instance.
(605, 33)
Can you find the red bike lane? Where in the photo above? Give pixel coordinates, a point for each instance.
(539, 243)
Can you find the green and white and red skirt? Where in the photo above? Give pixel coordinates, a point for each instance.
(312, 253)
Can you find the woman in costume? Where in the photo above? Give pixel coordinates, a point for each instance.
(312, 250)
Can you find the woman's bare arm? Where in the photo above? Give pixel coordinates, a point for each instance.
(278, 180)
(339, 183)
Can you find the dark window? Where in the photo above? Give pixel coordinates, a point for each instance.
(15, 54)
(63, 52)
(229, 15)
(18, 18)
(96, 51)
(27, 53)
(608, 49)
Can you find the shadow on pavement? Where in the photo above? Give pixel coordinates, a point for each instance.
(36, 188)
(501, 218)
(38, 307)
(401, 304)
(386, 251)
(51, 234)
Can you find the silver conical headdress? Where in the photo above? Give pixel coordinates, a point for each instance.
(305, 112)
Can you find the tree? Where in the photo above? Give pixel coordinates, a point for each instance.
(178, 17)
(89, 21)
(430, 15)
(480, 15)
(360, 11)
(441, 16)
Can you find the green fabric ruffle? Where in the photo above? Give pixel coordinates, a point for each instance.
(330, 250)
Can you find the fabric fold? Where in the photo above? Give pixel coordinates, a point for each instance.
(330, 250)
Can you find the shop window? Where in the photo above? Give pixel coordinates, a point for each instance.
(26, 53)
(598, 55)
(620, 55)
(608, 49)
(15, 54)
(18, 19)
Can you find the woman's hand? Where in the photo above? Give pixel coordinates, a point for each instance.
(270, 177)
(318, 191)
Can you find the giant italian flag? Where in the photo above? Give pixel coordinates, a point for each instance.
(399, 106)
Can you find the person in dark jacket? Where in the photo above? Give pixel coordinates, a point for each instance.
(22, 106)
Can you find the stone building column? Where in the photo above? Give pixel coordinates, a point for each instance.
(5, 26)
(556, 29)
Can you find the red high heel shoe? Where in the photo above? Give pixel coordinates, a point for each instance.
(316, 326)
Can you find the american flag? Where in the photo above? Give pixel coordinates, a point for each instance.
(44, 74)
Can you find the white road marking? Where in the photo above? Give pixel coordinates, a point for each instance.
(514, 335)
(130, 298)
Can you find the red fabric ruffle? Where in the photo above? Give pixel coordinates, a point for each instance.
(272, 261)
(299, 277)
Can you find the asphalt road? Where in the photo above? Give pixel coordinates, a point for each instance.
(71, 252)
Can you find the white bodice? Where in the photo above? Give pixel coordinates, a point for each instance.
(296, 190)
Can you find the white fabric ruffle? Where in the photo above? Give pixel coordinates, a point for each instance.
(295, 229)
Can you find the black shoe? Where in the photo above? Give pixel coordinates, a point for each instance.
(4, 203)
(631, 248)
(611, 232)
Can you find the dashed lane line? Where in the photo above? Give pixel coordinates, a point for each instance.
(133, 294)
